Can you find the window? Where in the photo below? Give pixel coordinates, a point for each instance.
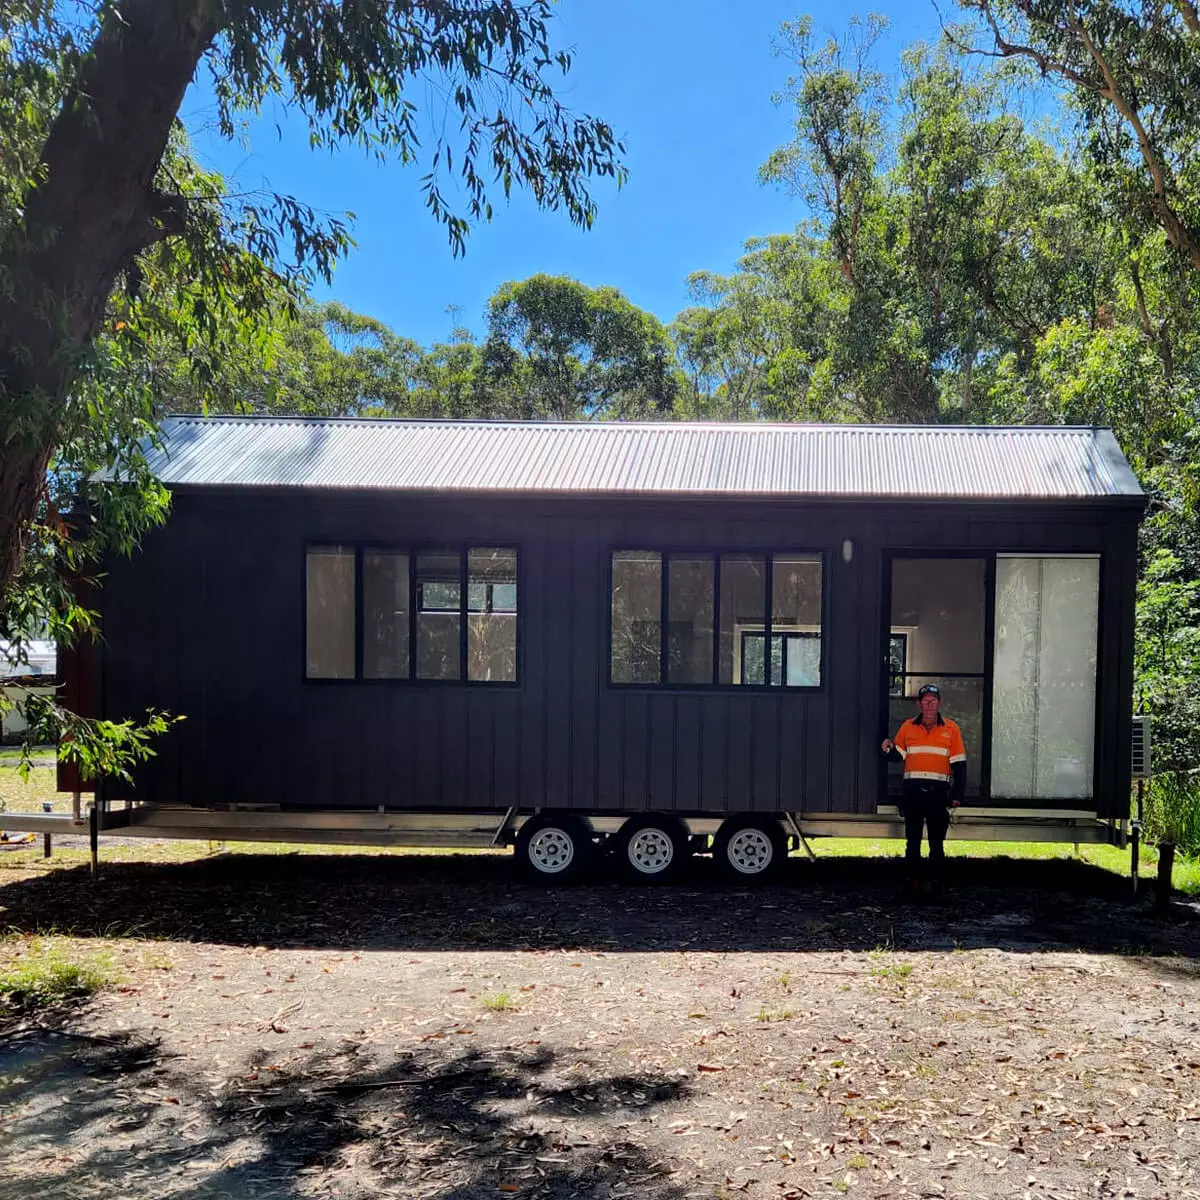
(689, 619)
(695, 620)
(1044, 681)
(437, 614)
(329, 612)
(636, 616)
(492, 615)
(385, 615)
(439, 620)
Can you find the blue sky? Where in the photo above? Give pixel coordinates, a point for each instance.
(688, 88)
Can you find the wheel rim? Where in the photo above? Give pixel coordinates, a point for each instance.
(551, 850)
(750, 851)
(651, 851)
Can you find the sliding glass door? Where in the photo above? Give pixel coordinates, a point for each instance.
(1011, 642)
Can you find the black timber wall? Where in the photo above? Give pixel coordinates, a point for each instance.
(207, 621)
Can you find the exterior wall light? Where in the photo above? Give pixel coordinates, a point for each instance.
(847, 550)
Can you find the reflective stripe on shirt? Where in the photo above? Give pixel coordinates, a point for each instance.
(934, 775)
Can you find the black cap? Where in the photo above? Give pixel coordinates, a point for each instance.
(929, 689)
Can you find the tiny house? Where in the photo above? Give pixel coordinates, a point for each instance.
(659, 638)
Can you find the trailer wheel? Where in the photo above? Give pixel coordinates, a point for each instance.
(750, 849)
(651, 849)
(554, 848)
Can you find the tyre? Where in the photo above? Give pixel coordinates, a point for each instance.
(554, 848)
(651, 849)
(750, 849)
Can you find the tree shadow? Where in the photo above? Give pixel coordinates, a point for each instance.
(111, 1117)
(463, 902)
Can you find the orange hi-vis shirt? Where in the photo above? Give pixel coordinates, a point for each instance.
(929, 753)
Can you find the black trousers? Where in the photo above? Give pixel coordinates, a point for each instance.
(925, 805)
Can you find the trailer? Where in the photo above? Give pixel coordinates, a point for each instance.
(653, 639)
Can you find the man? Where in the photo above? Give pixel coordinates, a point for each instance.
(935, 776)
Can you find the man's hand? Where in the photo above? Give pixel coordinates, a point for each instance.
(956, 804)
(887, 746)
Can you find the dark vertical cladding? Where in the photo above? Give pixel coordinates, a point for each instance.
(78, 674)
(208, 621)
(1114, 709)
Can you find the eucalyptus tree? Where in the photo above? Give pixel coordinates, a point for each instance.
(89, 102)
(1133, 67)
(557, 348)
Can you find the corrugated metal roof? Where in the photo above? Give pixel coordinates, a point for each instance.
(680, 458)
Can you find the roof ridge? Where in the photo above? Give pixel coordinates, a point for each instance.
(616, 426)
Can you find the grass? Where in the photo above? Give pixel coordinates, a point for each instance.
(1172, 810)
(498, 1002)
(1186, 876)
(37, 972)
(896, 971)
(766, 1017)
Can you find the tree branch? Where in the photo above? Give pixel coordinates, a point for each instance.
(1190, 14)
(1177, 233)
(1107, 88)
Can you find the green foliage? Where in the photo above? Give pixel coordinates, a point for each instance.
(557, 348)
(148, 287)
(1133, 70)
(42, 973)
(1171, 812)
(1167, 663)
(98, 748)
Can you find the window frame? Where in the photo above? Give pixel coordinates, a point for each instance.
(819, 555)
(412, 549)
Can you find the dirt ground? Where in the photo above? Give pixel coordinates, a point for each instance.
(420, 1026)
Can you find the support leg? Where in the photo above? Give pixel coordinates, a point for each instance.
(1166, 863)
(94, 836)
(791, 819)
(1135, 850)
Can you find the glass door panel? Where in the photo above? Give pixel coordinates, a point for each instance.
(938, 634)
(1044, 689)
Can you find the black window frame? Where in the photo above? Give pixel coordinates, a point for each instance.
(820, 556)
(413, 550)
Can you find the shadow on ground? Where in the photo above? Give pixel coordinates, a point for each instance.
(440, 902)
(461, 1127)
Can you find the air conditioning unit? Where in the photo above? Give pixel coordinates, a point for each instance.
(1140, 760)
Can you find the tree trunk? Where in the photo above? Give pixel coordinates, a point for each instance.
(93, 210)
